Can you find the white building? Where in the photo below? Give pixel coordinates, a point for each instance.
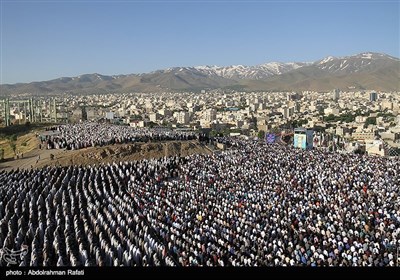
(210, 115)
(137, 123)
(374, 147)
(154, 117)
(109, 115)
(91, 114)
(335, 94)
(287, 112)
(183, 117)
(165, 112)
(387, 105)
(360, 119)
(333, 111)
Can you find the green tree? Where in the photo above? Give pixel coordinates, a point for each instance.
(275, 130)
(370, 120)
(298, 123)
(329, 118)
(13, 147)
(151, 124)
(261, 134)
(13, 137)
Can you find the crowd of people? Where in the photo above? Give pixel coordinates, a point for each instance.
(91, 134)
(254, 204)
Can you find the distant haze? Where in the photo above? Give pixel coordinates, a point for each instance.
(44, 40)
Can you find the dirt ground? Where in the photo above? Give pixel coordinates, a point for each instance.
(24, 145)
(97, 155)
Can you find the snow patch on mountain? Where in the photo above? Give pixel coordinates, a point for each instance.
(250, 72)
(331, 64)
(327, 59)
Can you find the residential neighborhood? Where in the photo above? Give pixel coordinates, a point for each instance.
(367, 118)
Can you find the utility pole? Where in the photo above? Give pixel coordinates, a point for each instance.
(7, 111)
(30, 104)
(54, 110)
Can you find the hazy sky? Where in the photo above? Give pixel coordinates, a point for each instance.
(42, 40)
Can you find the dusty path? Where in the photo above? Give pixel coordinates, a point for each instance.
(30, 160)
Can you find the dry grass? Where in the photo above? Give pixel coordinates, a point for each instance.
(24, 144)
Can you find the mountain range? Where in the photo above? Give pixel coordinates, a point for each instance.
(365, 71)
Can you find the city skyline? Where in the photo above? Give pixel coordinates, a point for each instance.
(42, 40)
